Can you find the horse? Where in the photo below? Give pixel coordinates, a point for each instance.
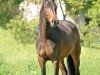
(56, 40)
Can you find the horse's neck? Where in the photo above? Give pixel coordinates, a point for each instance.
(42, 29)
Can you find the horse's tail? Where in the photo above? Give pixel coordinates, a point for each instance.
(71, 66)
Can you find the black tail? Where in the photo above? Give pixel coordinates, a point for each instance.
(71, 66)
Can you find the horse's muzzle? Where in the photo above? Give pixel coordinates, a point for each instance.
(55, 23)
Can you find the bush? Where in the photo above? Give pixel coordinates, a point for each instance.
(90, 35)
(23, 31)
(8, 10)
(91, 32)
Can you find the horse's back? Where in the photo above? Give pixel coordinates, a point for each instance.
(67, 26)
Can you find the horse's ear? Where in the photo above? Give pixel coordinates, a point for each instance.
(46, 2)
(49, 0)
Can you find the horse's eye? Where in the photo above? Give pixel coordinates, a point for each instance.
(45, 6)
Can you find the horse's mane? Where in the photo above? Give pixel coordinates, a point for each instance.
(41, 11)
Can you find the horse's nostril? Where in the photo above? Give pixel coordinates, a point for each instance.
(52, 21)
(55, 22)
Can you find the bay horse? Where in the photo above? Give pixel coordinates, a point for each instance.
(56, 40)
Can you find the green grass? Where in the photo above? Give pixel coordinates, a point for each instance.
(18, 59)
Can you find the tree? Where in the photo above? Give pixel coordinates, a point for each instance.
(90, 8)
(76, 6)
(8, 10)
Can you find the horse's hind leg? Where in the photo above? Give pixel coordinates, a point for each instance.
(42, 63)
(76, 58)
(62, 67)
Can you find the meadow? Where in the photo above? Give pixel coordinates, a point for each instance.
(21, 59)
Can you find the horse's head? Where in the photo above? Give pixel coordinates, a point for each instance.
(49, 12)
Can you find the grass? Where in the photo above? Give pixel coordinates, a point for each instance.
(18, 59)
(90, 59)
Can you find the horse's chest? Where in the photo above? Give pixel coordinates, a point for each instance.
(45, 48)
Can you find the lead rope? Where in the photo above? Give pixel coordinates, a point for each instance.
(64, 15)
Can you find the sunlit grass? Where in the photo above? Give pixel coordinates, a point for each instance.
(90, 60)
(18, 59)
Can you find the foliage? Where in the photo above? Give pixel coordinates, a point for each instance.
(74, 7)
(27, 32)
(10, 18)
(23, 31)
(8, 10)
(92, 37)
(90, 34)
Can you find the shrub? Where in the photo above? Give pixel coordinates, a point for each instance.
(90, 35)
(23, 31)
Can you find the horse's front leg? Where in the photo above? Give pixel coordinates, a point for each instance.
(56, 67)
(42, 63)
